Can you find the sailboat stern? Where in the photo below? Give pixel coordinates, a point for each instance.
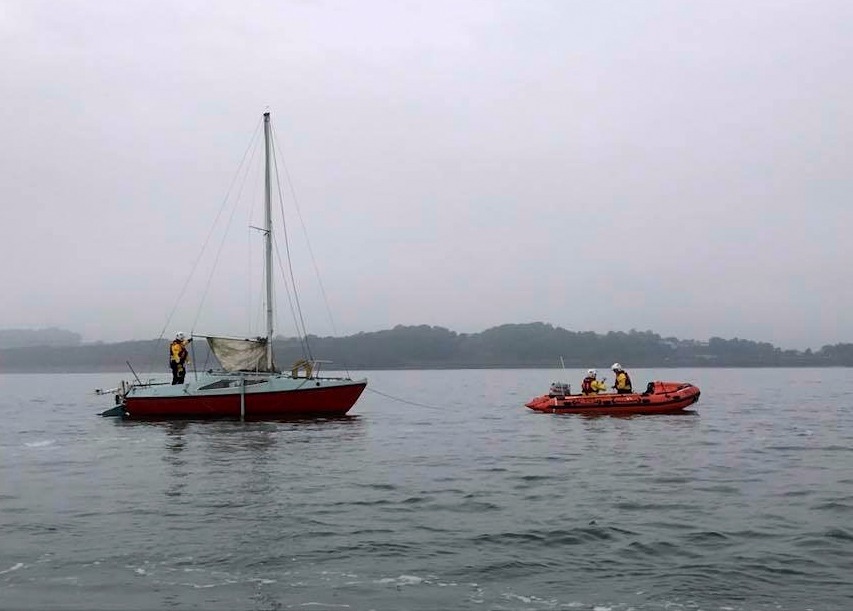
(119, 393)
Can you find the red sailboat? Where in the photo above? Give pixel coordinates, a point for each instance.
(248, 386)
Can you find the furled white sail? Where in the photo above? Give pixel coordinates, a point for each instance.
(240, 354)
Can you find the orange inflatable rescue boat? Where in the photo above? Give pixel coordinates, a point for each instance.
(659, 398)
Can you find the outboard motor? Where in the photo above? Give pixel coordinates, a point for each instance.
(559, 389)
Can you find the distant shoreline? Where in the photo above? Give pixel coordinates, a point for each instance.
(515, 346)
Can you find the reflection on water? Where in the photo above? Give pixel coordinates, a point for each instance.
(178, 471)
(253, 447)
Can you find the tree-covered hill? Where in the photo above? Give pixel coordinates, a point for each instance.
(511, 345)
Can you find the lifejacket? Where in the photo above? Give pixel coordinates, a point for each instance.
(586, 386)
(177, 351)
(623, 381)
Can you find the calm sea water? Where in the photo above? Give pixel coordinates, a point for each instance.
(466, 501)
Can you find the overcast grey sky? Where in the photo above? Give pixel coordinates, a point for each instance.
(683, 167)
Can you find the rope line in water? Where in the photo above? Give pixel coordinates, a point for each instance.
(401, 400)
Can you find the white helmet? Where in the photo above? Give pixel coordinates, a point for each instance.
(592, 372)
(180, 335)
(616, 367)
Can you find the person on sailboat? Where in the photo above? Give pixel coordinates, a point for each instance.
(178, 357)
(591, 385)
(623, 380)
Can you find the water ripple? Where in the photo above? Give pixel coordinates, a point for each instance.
(746, 506)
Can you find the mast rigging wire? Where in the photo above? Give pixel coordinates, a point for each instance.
(219, 250)
(225, 200)
(301, 329)
(307, 240)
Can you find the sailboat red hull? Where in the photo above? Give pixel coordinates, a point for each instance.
(325, 402)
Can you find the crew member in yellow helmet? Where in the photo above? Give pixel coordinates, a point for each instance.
(591, 385)
(178, 357)
(623, 380)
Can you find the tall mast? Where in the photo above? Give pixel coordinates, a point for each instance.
(268, 237)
